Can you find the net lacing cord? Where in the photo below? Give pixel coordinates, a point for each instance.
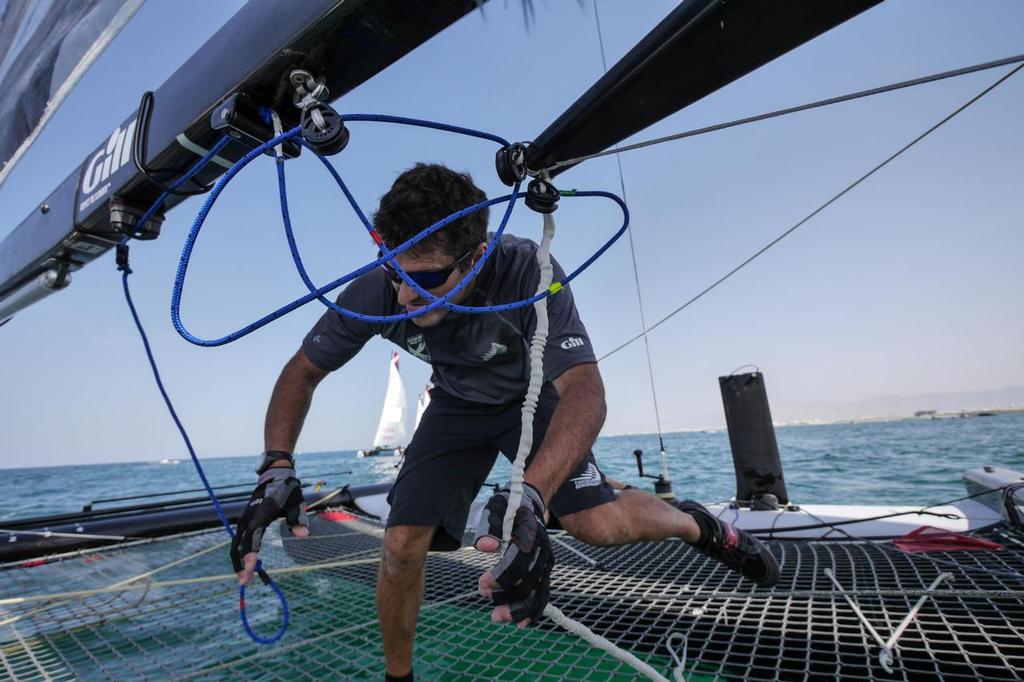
(537, 344)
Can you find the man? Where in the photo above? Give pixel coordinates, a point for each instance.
(480, 375)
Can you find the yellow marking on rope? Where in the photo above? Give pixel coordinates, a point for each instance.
(555, 287)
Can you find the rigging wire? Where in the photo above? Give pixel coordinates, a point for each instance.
(792, 110)
(818, 210)
(636, 270)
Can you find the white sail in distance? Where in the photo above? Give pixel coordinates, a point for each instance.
(391, 428)
(421, 406)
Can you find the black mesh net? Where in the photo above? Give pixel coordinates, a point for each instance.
(167, 609)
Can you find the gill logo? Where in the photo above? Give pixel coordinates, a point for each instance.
(573, 342)
(116, 153)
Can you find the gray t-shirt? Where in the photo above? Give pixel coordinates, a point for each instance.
(481, 358)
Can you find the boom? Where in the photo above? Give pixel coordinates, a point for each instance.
(345, 41)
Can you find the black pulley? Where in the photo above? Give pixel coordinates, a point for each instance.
(329, 139)
(510, 162)
(542, 196)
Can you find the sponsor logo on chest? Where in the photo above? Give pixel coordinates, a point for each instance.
(417, 345)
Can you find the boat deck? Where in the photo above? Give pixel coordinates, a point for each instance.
(167, 609)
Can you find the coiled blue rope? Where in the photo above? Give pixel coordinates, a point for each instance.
(387, 255)
(434, 301)
(126, 270)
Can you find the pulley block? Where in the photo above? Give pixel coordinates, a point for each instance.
(323, 129)
(542, 196)
(510, 162)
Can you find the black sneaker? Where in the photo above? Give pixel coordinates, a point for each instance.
(737, 549)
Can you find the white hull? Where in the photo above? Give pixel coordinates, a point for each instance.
(834, 521)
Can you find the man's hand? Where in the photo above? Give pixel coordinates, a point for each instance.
(277, 494)
(520, 583)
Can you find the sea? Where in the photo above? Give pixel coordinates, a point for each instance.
(907, 461)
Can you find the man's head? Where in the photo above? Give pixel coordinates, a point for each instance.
(420, 197)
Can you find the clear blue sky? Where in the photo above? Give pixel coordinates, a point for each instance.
(911, 284)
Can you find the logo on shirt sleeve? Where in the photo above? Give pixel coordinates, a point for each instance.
(573, 342)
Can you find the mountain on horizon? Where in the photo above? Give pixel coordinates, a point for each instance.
(884, 406)
(891, 405)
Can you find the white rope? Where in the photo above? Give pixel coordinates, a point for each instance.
(278, 129)
(537, 343)
(540, 338)
(78, 594)
(54, 534)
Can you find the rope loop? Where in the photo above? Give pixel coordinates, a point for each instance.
(267, 580)
(387, 255)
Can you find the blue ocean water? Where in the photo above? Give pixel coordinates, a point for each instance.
(909, 461)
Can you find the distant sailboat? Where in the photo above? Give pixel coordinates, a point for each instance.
(422, 400)
(391, 429)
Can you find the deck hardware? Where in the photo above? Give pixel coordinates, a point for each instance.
(510, 163)
(322, 128)
(246, 121)
(885, 656)
(542, 196)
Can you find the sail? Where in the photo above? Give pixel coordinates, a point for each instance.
(391, 429)
(421, 406)
(45, 48)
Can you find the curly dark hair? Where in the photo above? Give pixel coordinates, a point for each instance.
(420, 197)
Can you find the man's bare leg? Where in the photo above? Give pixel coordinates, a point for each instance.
(634, 516)
(400, 592)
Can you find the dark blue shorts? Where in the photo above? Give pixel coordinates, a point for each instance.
(452, 453)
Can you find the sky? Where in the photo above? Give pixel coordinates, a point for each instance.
(911, 283)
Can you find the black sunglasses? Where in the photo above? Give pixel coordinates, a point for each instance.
(428, 279)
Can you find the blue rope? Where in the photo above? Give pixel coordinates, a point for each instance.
(434, 301)
(126, 270)
(387, 255)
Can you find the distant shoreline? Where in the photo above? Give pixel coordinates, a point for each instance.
(926, 415)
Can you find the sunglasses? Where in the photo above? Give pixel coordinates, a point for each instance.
(428, 279)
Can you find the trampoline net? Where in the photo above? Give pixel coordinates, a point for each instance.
(170, 612)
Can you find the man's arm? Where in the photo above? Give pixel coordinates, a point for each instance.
(290, 402)
(574, 427)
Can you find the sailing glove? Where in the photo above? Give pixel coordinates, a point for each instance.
(524, 571)
(277, 494)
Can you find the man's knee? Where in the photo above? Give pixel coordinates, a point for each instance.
(594, 526)
(405, 548)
